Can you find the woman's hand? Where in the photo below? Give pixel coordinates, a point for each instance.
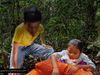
(55, 71)
(72, 70)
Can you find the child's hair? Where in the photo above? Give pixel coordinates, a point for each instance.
(77, 43)
(32, 14)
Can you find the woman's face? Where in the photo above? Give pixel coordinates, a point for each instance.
(73, 52)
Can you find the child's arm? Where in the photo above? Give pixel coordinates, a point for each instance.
(42, 34)
(86, 67)
(89, 66)
(53, 59)
(77, 67)
(54, 64)
(42, 38)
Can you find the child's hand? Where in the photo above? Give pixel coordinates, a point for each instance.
(13, 74)
(55, 71)
(72, 70)
(46, 46)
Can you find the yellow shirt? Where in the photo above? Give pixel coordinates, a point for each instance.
(23, 37)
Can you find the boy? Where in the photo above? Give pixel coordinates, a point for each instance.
(24, 37)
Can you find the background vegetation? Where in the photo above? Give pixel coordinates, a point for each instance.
(63, 20)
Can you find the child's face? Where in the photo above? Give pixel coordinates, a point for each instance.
(32, 27)
(74, 52)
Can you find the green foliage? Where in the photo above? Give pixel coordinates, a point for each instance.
(56, 33)
(63, 20)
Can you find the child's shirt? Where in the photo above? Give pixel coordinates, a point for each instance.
(83, 59)
(23, 37)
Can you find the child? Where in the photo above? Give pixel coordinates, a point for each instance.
(67, 62)
(74, 56)
(23, 40)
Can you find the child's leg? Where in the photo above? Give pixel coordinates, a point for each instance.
(41, 51)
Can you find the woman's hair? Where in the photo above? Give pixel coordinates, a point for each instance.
(32, 14)
(77, 43)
